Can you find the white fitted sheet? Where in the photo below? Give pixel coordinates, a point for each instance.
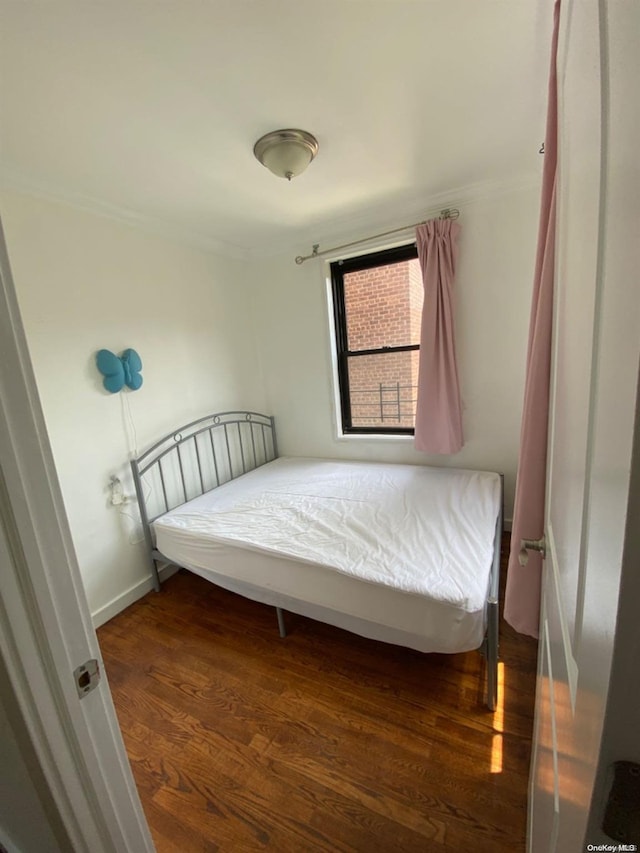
(400, 553)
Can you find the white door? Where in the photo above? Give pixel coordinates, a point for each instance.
(45, 626)
(593, 396)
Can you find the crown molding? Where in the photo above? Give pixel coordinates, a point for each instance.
(14, 180)
(383, 216)
(392, 214)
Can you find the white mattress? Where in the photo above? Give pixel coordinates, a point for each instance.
(400, 553)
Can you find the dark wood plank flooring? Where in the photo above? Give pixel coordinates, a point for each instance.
(324, 741)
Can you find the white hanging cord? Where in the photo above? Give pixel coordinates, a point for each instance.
(132, 438)
(131, 435)
(135, 522)
(129, 426)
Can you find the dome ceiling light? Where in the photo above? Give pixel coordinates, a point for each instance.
(286, 153)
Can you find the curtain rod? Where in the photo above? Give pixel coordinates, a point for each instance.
(447, 213)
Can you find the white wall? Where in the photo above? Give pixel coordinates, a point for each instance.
(86, 282)
(494, 283)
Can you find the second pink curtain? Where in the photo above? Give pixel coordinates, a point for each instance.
(438, 409)
(523, 590)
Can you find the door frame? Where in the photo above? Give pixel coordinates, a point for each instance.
(45, 625)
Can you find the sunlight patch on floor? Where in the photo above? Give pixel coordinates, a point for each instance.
(498, 725)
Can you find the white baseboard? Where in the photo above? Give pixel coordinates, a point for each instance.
(129, 596)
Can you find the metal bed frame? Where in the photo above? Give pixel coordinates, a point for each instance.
(211, 451)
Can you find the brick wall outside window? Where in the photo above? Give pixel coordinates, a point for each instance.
(383, 308)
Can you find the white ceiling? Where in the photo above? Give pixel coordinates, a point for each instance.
(149, 110)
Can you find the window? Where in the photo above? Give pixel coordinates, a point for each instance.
(377, 301)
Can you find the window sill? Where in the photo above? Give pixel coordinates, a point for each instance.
(354, 436)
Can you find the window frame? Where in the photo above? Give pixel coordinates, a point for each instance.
(338, 269)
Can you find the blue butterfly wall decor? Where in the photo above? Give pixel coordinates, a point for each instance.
(119, 371)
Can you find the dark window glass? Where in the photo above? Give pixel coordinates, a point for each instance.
(377, 309)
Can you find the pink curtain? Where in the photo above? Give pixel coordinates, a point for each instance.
(522, 597)
(438, 408)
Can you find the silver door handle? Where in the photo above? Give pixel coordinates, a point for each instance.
(531, 545)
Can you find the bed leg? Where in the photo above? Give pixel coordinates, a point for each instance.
(281, 625)
(492, 655)
(155, 576)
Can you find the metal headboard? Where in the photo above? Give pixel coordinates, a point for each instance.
(196, 458)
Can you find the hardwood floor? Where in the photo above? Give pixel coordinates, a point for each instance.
(323, 741)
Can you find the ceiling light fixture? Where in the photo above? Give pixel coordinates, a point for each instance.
(286, 153)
